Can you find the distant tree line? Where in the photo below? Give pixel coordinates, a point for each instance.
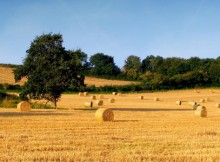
(172, 73)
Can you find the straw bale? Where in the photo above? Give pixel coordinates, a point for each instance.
(104, 114)
(101, 96)
(201, 108)
(111, 100)
(24, 106)
(99, 102)
(178, 102)
(207, 99)
(89, 104)
(119, 94)
(114, 93)
(156, 99)
(86, 94)
(202, 100)
(141, 97)
(192, 103)
(217, 105)
(81, 94)
(93, 97)
(195, 106)
(201, 113)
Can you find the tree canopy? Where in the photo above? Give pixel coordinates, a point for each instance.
(50, 69)
(103, 65)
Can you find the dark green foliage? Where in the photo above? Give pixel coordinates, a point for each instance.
(103, 65)
(132, 67)
(50, 69)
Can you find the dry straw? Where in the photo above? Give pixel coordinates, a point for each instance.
(156, 99)
(114, 93)
(196, 91)
(111, 100)
(104, 114)
(141, 97)
(99, 102)
(119, 94)
(81, 94)
(202, 100)
(86, 94)
(101, 96)
(217, 105)
(195, 106)
(93, 97)
(201, 111)
(178, 102)
(192, 103)
(207, 99)
(89, 104)
(24, 106)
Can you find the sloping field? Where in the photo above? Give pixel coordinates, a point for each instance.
(7, 76)
(143, 130)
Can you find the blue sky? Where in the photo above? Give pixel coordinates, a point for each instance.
(119, 28)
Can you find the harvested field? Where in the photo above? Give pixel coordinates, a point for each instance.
(7, 76)
(143, 130)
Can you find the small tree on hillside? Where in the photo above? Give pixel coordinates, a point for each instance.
(50, 69)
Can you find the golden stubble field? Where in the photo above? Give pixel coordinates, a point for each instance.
(143, 130)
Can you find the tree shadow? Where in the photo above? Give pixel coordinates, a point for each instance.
(34, 113)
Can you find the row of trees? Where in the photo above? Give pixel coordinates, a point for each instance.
(176, 72)
(51, 69)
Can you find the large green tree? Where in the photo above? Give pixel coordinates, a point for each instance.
(50, 69)
(103, 65)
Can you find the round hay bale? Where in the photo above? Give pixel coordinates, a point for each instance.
(104, 114)
(201, 107)
(81, 94)
(141, 97)
(156, 99)
(89, 104)
(207, 99)
(99, 102)
(93, 97)
(202, 100)
(101, 96)
(114, 93)
(24, 106)
(178, 102)
(119, 94)
(195, 106)
(192, 103)
(217, 105)
(111, 100)
(86, 94)
(200, 113)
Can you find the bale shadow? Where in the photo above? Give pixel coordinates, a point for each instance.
(151, 109)
(138, 109)
(126, 121)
